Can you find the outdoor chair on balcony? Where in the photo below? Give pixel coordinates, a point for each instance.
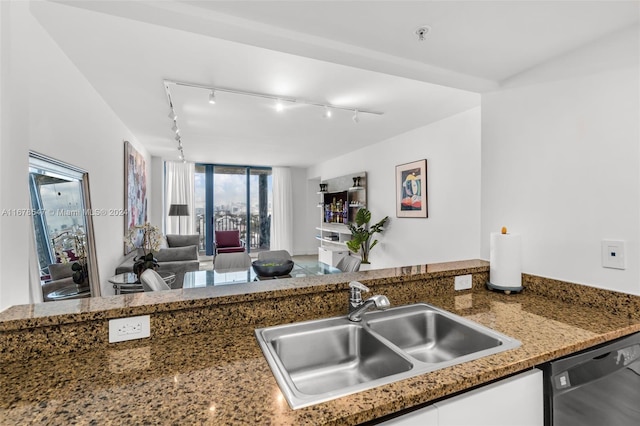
(228, 242)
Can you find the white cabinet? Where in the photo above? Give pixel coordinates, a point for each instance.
(339, 200)
(427, 416)
(331, 256)
(333, 243)
(516, 401)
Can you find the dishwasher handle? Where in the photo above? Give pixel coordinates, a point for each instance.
(596, 368)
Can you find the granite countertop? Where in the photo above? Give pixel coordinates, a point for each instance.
(222, 377)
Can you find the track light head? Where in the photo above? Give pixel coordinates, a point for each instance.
(177, 137)
(355, 118)
(175, 127)
(212, 97)
(172, 115)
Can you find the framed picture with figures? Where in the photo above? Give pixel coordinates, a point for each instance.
(411, 189)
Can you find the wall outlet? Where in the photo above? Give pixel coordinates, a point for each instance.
(131, 328)
(463, 282)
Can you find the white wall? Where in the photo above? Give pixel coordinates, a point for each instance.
(561, 163)
(13, 156)
(452, 230)
(57, 113)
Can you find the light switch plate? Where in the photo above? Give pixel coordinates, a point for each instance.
(463, 282)
(613, 255)
(130, 328)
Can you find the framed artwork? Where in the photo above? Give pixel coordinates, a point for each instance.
(135, 189)
(411, 189)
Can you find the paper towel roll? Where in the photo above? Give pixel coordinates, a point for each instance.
(505, 269)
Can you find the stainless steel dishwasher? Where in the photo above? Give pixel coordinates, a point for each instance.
(599, 386)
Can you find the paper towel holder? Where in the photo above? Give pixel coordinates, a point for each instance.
(507, 290)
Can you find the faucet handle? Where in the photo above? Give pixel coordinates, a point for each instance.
(358, 285)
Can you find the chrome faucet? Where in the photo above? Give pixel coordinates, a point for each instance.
(378, 301)
(355, 295)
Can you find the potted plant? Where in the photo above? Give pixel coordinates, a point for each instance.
(146, 238)
(361, 234)
(70, 246)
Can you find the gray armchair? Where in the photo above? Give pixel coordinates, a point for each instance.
(61, 277)
(179, 257)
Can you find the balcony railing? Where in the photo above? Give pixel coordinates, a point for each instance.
(258, 237)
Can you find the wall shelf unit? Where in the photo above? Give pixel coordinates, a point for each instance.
(338, 205)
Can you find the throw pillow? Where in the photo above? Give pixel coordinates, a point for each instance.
(174, 254)
(182, 240)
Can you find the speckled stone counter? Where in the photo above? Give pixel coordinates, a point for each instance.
(219, 376)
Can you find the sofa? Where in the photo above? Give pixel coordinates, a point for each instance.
(61, 277)
(179, 256)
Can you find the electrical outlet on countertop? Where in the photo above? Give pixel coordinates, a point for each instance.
(463, 282)
(130, 328)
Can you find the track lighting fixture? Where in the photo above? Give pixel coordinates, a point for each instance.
(279, 103)
(174, 117)
(279, 106)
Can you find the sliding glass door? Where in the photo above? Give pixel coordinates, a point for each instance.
(234, 197)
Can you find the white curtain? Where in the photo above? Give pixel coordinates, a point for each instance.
(282, 220)
(179, 189)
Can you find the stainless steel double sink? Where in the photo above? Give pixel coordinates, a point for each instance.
(316, 361)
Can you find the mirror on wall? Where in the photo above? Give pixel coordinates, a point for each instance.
(62, 229)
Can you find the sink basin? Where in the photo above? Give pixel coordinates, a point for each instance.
(320, 359)
(316, 361)
(432, 336)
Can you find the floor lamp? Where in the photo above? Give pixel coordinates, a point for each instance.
(179, 210)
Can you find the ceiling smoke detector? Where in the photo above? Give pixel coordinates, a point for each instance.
(422, 32)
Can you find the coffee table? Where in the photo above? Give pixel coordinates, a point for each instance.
(69, 292)
(213, 277)
(128, 282)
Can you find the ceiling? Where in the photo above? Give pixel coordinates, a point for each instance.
(355, 54)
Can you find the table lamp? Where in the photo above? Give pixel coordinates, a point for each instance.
(178, 210)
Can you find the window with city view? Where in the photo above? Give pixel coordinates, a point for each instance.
(233, 197)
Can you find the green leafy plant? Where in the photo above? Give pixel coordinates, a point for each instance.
(361, 234)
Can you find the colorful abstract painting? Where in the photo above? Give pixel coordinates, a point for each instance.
(411, 189)
(135, 188)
